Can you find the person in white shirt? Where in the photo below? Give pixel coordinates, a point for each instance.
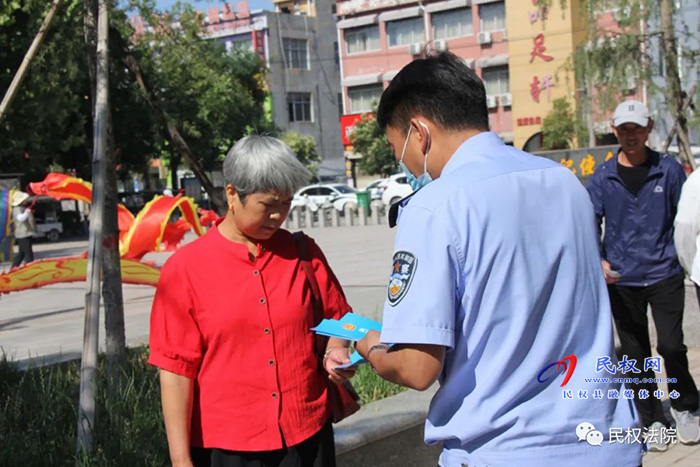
(25, 227)
(686, 234)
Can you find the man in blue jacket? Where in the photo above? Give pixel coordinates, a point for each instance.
(637, 193)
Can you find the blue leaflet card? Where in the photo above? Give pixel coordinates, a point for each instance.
(355, 359)
(361, 322)
(333, 328)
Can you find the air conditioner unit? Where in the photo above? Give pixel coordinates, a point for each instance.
(506, 100)
(440, 45)
(484, 37)
(491, 102)
(415, 49)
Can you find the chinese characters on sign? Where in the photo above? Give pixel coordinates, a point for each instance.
(537, 86)
(539, 48)
(537, 15)
(529, 121)
(587, 166)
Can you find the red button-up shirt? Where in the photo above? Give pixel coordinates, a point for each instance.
(240, 329)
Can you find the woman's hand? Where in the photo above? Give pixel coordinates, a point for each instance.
(336, 356)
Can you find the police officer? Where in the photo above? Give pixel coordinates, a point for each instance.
(495, 288)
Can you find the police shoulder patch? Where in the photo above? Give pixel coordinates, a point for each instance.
(402, 272)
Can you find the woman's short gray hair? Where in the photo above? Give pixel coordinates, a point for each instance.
(263, 164)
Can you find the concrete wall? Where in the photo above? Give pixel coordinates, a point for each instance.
(387, 433)
(321, 80)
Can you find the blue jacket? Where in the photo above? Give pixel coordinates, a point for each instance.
(638, 240)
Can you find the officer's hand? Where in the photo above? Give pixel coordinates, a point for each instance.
(606, 270)
(369, 341)
(336, 357)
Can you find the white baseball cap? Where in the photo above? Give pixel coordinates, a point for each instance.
(631, 112)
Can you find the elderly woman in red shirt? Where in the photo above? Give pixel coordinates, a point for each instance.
(230, 329)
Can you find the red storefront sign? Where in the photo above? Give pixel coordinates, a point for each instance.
(259, 43)
(347, 125)
(529, 121)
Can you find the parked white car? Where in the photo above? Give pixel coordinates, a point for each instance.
(316, 196)
(376, 188)
(397, 188)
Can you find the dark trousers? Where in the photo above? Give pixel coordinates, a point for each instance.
(317, 451)
(629, 308)
(25, 251)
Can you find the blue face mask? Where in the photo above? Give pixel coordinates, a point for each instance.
(420, 182)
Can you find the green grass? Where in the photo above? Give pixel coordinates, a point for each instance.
(371, 387)
(38, 415)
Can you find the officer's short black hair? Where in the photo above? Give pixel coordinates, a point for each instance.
(442, 88)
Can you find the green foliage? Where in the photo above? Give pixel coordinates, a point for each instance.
(214, 96)
(46, 121)
(559, 127)
(370, 141)
(618, 63)
(305, 149)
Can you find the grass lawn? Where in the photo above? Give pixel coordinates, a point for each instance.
(38, 415)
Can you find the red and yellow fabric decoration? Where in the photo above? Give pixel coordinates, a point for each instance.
(72, 269)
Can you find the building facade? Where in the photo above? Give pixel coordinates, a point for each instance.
(520, 48)
(379, 37)
(303, 69)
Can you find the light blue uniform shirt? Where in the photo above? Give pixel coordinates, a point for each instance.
(497, 260)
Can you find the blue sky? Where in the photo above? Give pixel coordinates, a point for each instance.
(203, 5)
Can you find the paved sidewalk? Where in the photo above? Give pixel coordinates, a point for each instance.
(48, 322)
(678, 455)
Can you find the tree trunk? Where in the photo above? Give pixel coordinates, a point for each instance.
(178, 142)
(174, 164)
(29, 56)
(115, 336)
(674, 81)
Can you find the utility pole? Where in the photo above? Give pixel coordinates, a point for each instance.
(674, 81)
(31, 53)
(88, 367)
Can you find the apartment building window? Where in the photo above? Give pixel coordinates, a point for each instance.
(296, 53)
(363, 98)
(405, 31)
(453, 23)
(299, 105)
(492, 16)
(340, 105)
(496, 80)
(362, 39)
